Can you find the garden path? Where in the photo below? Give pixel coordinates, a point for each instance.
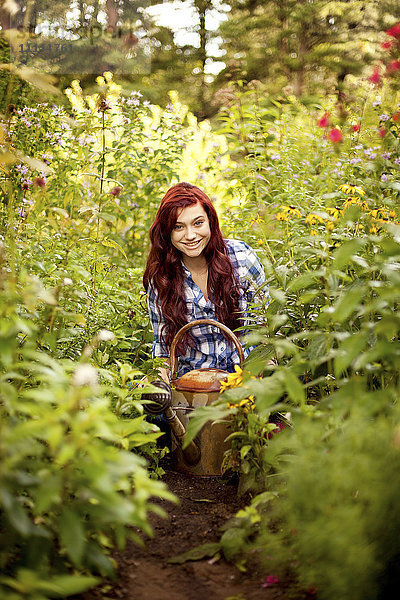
(144, 574)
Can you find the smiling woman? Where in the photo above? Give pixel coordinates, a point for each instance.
(193, 273)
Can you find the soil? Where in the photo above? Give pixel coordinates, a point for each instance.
(144, 573)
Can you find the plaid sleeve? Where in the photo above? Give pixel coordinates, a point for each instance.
(157, 320)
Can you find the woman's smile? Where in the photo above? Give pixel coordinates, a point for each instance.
(192, 244)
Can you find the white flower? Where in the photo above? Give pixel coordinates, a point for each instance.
(85, 375)
(105, 336)
(67, 281)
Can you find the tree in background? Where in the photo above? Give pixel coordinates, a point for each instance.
(307, 44)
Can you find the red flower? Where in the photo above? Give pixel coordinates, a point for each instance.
(116, 191)
(386, 45)
(39, 182)
(270, 580)
(324, 120)
(312, 590)
(356, 127)
(375, 78)
(396, 117)
(394, 31)
(382, 132)
(393, 66)
(335, 135)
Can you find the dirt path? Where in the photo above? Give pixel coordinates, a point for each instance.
(144, 574)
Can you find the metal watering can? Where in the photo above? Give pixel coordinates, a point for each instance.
(199, 387)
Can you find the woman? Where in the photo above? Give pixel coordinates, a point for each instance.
(193, 273)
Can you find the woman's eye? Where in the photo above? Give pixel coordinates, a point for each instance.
(177, 227)
(199, 222)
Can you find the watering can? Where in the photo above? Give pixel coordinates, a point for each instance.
(200, 387)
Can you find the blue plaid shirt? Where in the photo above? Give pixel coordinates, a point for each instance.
(212, 349)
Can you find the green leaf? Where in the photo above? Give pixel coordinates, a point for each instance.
(113, 244)
(72, 535)
(294, 387)
(272, 389)
(15, 513)
(347, 303)
(343, 255)
(48, 492)
(348, 350)
(198, 553)
(67, 585)
(302, 281)
(244, 451)
(232, 542)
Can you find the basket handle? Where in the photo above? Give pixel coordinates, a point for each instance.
(188, 326)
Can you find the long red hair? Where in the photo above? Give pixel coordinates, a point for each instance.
(164, 267)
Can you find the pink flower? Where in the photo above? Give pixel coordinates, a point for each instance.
(324, 120)
(270, 580)
(116, 191)
(335, 135)
(394, 31)
(356, 127)
(386, 45)
(393, 66)
(375, 78)
(382, 132)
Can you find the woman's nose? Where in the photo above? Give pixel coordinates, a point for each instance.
(190, 233)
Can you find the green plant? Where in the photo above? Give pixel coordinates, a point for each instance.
(70, 485)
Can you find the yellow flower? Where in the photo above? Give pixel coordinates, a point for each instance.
(281, 216)
(353, 200)
(294, 211)
(260, 242)
(392, 214)
(233, 380)
(311, 219)
(257, 219)
(313, 232)
(330, 225)
(373, 229)
(334, 211)
(248, 404)
(291, 210)
(350, 189)
(378, 212)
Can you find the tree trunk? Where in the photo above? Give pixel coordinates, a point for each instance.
(202, 6)
(112, 15)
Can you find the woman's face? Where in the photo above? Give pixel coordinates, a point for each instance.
(191, 232)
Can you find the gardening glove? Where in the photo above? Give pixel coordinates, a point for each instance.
(161, 400)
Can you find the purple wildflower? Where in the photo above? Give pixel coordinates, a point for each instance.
(22, 169)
